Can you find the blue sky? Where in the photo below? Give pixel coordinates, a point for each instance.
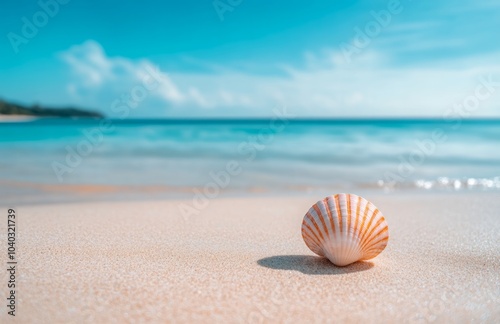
(422, 58)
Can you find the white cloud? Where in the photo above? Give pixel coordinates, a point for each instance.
(326, 86)
(98, 80)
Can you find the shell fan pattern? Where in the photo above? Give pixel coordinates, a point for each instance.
(345, 228)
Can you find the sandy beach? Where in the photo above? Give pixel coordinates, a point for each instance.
(17, 118)
(243, 260)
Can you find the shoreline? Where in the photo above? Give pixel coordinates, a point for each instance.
(21, 193)
(17, 118)
(243, 259)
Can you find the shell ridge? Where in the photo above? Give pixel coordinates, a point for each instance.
(356, 228)
(337, 212)
(307, 230)
(310, 224)
(380, 238)
(380, 230)
(354, 231)
(349, 212)
(315, 240)
(370, 228)
(315, 224)
(321, 219)
(350, 246)
(329, 213)
(358, 207)
(350, 242)
(344, 202)
(370, 221)
(375, 250)
(365, 216)
(323, 210)
(333, 207)
(343, 205)
(311, 244)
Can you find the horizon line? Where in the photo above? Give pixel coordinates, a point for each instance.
(261, 119)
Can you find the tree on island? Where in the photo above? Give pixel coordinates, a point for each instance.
(7, 108)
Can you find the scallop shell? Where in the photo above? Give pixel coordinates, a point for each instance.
(345, 228)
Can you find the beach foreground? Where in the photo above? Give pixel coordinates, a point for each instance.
(243, 260)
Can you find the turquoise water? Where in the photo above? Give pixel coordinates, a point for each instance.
(265, 154)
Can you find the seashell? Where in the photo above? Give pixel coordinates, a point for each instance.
(345, 228)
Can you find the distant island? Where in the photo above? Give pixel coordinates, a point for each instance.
(7, 108)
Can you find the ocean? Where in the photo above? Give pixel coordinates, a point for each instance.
(252, 155)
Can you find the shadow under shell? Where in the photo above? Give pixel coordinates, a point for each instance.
(311, 265)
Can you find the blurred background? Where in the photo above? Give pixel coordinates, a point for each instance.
(155, 98)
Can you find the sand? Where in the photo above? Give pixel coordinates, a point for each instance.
(243, 260)
(17, 118)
